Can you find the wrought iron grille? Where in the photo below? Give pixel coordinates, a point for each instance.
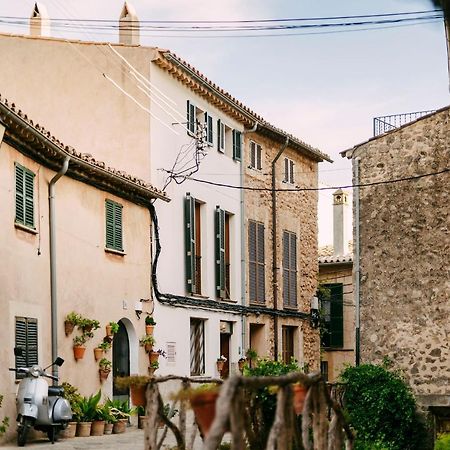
(383, 124)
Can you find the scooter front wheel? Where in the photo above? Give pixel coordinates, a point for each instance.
(22, 430)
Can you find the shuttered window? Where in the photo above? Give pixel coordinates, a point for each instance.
(220, 136)
(26, 339)
(287, 343)
(192, 239)
(333, 316)
(24, 196)
(209, 129)
(289, 269)
(256, 259)
(113, 216)
(219, 222)
(289, 171)
(190, 118)
(237, 145)
(197, 347)
(255, 156)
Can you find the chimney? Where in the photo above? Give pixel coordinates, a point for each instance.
(340, 223)
(128, 25)
(39, 21)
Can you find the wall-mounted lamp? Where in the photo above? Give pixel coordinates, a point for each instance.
(315, 318)
(138, 306)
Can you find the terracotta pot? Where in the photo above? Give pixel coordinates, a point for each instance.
(137, 393)
(120, 426)
(70, 431)
(148, 348)
(299, 397)
(88, 328)
(109, 332)
(220, 365)
(78, 352)
(103, 374)
(151, 371)
(98, 428)
(98, 353)
(149, 329)
(204, 406)
(84, 429)
(142, 421)
(108, 428)
(241, 365)
(153, 357)
(68, 327)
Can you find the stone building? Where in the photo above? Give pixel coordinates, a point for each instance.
(403, 241)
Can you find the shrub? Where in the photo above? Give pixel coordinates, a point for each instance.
(442, 442)
(382, 409)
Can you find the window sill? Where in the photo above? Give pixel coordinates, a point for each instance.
(227, 300)
(115, 252)
(22, 227)
(203, 297)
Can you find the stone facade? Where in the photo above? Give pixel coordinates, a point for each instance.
(404, 245)
(297, 213)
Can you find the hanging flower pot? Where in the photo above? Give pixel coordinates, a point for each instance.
(149, 330)
(111, 329)
(109, 332)
(153, 357)
(148, 348)
(78, 351)
(103, 373)
(241, 364)
(137, 393)
(299, 397)
(204, 407)
(98, 353)
(68, 327)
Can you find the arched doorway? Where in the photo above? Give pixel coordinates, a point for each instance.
(121, 360)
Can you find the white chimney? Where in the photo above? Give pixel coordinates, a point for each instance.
(128, 25)
(39, 21)
(340, 222)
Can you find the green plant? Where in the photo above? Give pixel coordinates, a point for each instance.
(132, 380)
(73, 318)
(71, 394)
(79, 341)
(114, 327)
(148, 339)
(103, 412)
(120, 409)
(251, 354)
(167, 411)
(105, 364)
(186, 394)
(105, 345)
(154, 365)
(5, 421)
(442, 442)
(86, 408)
(88, 324)
(381, 408)
(149, 320)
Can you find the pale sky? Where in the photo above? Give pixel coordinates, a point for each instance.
(325, 89)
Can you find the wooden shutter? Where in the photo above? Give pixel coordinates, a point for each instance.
(118, 241)
(291, 171)
(219, 135)
(258, 157)
(286, 170)
(209, 128)
(261, 275)
(252, 154)
(24, 196)
(289, 269)
(29, 199)
(189, 238)
(27, 339)
(109, 217)
(113, 223)
(237, 145)
(220, 252)
(252, 265)
(20, 194)
(190, 116)
(286, 268)
(256, 262)
(197, 347)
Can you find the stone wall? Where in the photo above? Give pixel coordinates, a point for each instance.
(296, 212)
(405, 246)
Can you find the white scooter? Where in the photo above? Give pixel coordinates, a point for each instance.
(39, 405)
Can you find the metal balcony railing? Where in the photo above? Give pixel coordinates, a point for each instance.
(383, 124)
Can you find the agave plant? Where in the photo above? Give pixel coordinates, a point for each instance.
(85, 409)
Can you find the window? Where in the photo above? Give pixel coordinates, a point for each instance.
(220, 136)
(193, 244)
(324, 370)
(287, 343)
(191, 119)
(209, 129)
(197, 341)
(256, 261)
(222, 248)
(333, 315)
(27, 340)
(237, 145)
(255, 156)
(289, 269)
(24, 196)
(288, 171)
(113, 215)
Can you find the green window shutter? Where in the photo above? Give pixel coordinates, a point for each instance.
(24, 196)
(190, 117)
(118, 241)
(219, 135)
(209, 128)
(109, 215)
(114, 229)
(189, 239)
(237, 145)
(27, 339)
(20, 194)
(220, 251)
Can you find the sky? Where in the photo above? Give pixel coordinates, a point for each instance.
(325, 89)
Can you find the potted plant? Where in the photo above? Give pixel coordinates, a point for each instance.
(111, 329)
(98, 352)
(137, 385)
(221, 360)
(241, 364)
(104, 368)
(140, 411)
(121, 412)
(70, 321)
(203, 401)
(71, 394)
(98, 422)
(154, 356)
(147, 341)
(88, 325)
(149, 325)
(85, 412)
(78, 346)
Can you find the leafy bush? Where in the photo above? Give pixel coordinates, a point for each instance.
(5, 422)
(85, 409)
(382, 409)
(442, 442)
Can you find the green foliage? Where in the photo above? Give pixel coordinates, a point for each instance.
(251, 354)
(105, 345)
(120, 409)
(105, 364)
(442, 442)
(149, 320)
(71, 394)
(85, 409)
(147, 339)
(73, 318)
(382, 409)
(114, 327)
(79, 341)
(103, 412)
(5, 422)
(131, 380)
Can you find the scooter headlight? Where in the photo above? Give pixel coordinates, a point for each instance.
(35, 371)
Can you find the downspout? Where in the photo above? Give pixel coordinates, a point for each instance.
(243, 253)
(274, 251)
(53, 290)
(357, 260)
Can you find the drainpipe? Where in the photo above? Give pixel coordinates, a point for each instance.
(243, 253)
(53, 293)
(274, 251)
(357, 260)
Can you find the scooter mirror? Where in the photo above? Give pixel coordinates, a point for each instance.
(59, 361)
(18, 351)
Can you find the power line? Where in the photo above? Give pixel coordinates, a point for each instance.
(350, 186)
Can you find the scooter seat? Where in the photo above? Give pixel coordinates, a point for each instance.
(55, 391)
